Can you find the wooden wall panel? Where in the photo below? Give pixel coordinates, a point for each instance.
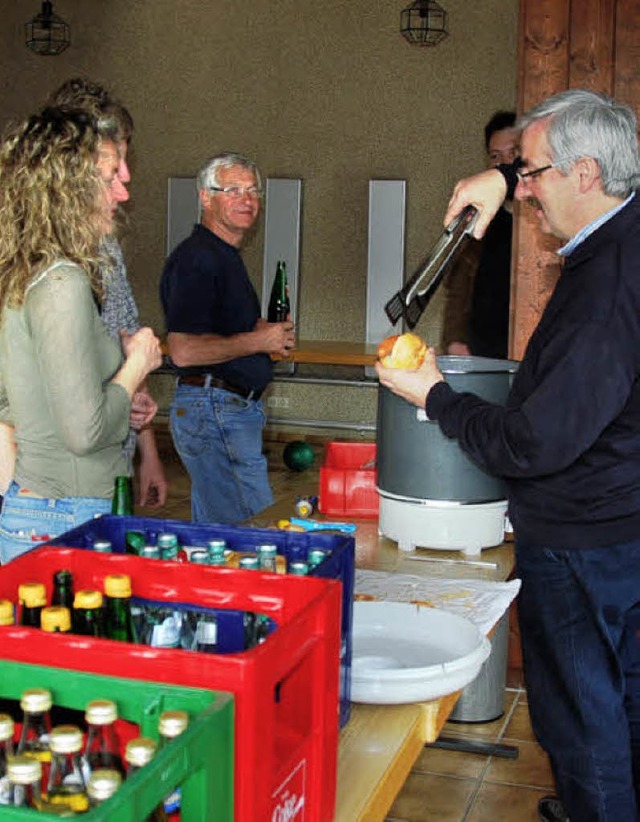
(627, 62)
(592, 45)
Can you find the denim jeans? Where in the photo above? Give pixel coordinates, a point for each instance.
(579, 617)
(25, 522)
(219, 438)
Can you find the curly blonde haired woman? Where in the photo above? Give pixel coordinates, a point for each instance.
(64, 384)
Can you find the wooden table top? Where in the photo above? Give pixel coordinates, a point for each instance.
(332, 352)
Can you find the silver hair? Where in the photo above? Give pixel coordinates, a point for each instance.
(586, 124)
(208, 174)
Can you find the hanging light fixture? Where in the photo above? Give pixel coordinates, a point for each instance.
(47, 33)
(424, 23)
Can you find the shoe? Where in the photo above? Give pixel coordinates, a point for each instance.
(551, 809)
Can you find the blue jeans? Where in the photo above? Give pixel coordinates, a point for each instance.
(219, 438)
(579, 617)
(26, 522)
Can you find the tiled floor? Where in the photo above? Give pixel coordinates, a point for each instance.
(444, 786)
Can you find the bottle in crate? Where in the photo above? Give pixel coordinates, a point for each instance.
(162, 627)
(103, 546)
(62, 589)
(216, 549)
(170, 725)
(122, 502)
(32, 596)
(36, 729)
(205, 637)
(117, 588)
(102, 748)
(24, 775)
(66, 785)
(267, 557)
(55, 619)
(134, 542)
(6, 750)
(170, 547)
(102, 785)
(7, 616)
(88, 615)
(138, 753)
(199, 557)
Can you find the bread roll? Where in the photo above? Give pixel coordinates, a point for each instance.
(402, 351)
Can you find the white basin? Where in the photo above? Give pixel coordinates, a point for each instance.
(410, 653)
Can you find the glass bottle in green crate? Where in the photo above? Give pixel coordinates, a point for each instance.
(170, 725)
(62, 589)
(102, 748)
(102, 785)
(138, 753)
(119, 621)
(6, 750)
(87, 618)
(33, 598)
(122, 502)
(36, 725)
(66, 785)
(24, 778)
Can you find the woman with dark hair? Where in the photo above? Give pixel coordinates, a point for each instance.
(64, 384)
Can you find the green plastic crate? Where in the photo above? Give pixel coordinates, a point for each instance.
(200, 759)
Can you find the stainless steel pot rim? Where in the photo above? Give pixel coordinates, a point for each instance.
(441, 503)
(457, 364)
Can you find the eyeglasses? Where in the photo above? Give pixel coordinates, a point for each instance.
(526, 176)
(236, 192)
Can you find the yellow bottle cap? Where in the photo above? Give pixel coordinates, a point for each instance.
(117, 586)
(173, 723)
(55, 618)
(65, 739)
(6, 612)
(32, 594)
(87, 599)
(36, 700)
(6, 727)
(101, 712)
(140, 751)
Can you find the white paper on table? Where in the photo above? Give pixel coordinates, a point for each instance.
(481, 601)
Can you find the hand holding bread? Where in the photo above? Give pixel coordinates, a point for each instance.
(408, 367)
(402, 351)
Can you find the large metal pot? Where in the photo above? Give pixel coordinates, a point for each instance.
(415, 459)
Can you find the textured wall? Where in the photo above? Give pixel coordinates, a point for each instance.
(326, 91)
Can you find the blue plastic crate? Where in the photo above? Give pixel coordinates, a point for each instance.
(339, 564)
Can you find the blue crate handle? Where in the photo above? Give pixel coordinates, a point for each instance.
(314, 525)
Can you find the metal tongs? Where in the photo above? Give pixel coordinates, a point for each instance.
(413, 297)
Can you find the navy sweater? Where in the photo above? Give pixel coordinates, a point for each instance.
(567, 443)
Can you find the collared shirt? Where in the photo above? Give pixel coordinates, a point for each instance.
(582, 235)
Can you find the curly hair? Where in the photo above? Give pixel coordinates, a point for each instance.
(49, 199)
(114, 119)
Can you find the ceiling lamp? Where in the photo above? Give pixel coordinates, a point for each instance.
(424, 23)
(47, 33)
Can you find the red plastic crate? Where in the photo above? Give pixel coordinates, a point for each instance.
(348, 480)
(285, 690)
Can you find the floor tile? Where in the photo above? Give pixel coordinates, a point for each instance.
(433, 798)
(519, 725)
(531, 768)
(505, 803)
(453, 763)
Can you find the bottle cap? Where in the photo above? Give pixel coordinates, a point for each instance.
(140, 751)
(216, 546)
(167, 539)
(173, 723)
(298, 568)
(150, 552)
(6, 727)
(6, 612)
(199, 557)
(87, 599)
(32, 594)
(103, 783)
(268, 549)
(101, 712)
(23, 770)
(55, 618)
(36, 700)
(117, 586)
(65, 739)
(249, 562)
(102, 546)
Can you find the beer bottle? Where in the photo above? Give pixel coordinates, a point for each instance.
(102, 748)
(279, 307)
(122, 502)
(33, 597)
(138, 753)
(66, 781)
(170, 725)
(170, 547)
(150, 552)
(103, 546)
(24, 775)
(206, 634)
(299, 569)
(162, 627)
(7, 616)
(102, 785)
(216, 549)
(6, 750)
(117, 588)
(199, 557)
(36, 728)
(62, 589)
(134, 542)
(315, 557)
(267, 557)
(55, 619)
(88, 617)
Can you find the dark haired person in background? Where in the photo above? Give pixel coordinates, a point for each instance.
(476, 316)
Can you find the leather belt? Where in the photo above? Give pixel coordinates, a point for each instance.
(209, 381)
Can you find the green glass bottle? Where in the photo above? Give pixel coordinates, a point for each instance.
(279, 306)
(117, 588)
(62, 589)
(87, 618)
(33, 598)
(122, 502)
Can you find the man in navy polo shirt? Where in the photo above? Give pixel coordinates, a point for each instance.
(221, 348)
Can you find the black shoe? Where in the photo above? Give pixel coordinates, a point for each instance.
(551, 809)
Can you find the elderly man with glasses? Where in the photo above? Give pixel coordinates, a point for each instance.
(221, 347)
(568, 446)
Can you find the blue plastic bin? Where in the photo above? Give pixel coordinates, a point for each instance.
(339, 564)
